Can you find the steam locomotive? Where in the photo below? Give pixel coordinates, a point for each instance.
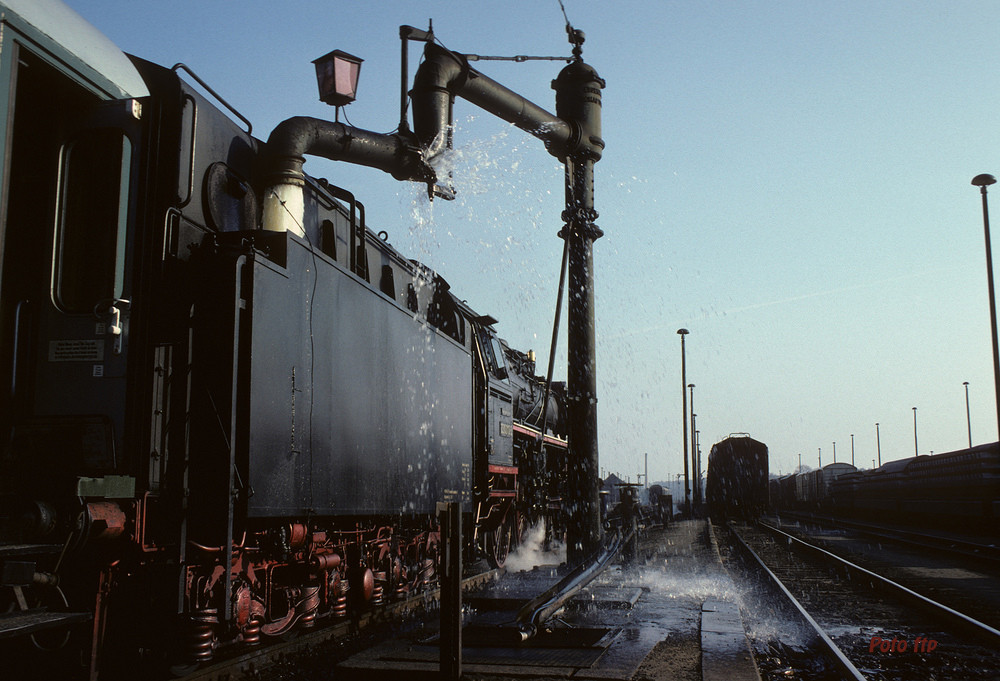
(229, 407)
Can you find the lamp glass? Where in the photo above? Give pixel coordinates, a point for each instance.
(337, 77)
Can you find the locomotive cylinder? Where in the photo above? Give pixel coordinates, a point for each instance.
(326, 561)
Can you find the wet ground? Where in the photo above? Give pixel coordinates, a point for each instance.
(672, 616)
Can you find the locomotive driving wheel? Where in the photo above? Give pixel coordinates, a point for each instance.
(503, 538)
(498, 544)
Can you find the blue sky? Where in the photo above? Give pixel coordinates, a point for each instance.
(790, 181)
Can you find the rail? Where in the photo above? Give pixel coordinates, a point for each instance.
(900, 591)
(984, 553)
(836, 654)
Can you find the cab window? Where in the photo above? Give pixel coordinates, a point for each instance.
(493, 355)
(500, 361)
(91, 220)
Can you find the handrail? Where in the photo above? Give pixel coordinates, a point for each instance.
(181, 65)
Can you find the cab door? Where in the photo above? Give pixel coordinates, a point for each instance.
(83, 322)
(499, 401)
(65, 285)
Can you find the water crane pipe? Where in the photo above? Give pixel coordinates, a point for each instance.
(443, 75)
(573, 135)
(535, 612)
(293, 139)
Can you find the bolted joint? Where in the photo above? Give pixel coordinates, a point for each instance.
(587, 230)
(579, 214)
(581, 221)
(590, 231)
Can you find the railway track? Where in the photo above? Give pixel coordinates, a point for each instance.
(979, 552)
(940, 568)
(849, 621)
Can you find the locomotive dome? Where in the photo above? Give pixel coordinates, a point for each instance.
(88, 49)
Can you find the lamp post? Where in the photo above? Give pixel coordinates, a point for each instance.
(684, 414)
(852, 449)
(878, 446)
(697, 444)
(695, 473)
(916, 452)
(968, 415)
(835, 452)
(983, 181)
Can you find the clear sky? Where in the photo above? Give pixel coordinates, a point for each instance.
(789, 180)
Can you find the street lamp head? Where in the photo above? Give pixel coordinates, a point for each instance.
(690, 385)
(984, 180)
(683, 332)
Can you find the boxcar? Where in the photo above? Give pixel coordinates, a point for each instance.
(737, 478)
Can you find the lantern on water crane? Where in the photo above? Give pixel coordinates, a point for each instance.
(337, 76)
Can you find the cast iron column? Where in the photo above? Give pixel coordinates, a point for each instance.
(684, 422)
(695, 473)
(578, 101)
(983, 181)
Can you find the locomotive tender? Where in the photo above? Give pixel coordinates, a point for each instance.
(229, 408)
